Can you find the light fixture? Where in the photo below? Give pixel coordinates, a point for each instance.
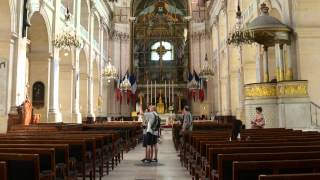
(240, 36)
(206, 70)
(125, 85)
(110, 71)
(68, 38)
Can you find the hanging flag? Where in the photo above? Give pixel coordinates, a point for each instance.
(196, 77)
(118, 91)
(190, 76)
(133, 83)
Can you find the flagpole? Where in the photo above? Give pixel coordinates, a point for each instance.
(155, 93)
(151, 99)
(147, 92)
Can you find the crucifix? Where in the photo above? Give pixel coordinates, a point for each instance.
(161, 50)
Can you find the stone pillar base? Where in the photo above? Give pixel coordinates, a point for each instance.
(54, 117)
(77, 118)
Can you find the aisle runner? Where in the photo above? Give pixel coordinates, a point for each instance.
(168, 167)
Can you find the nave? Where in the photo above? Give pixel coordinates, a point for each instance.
(168, 168)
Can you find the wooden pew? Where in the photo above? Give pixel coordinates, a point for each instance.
(3, 170)
(77, 153)
(224, 170)
(100, 139)
(304, 176)
(22, 166)
(250, 170)
(46, 159)
(61, 156)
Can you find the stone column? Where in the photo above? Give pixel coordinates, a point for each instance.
(265, 65)
(218, 68)
(280, 67)
(102, 59)
(289, 67)
(228, 84)
(16, 70)
(241, 113)
(76, 115)
(54, 114)
(258, 65)
(91, 115)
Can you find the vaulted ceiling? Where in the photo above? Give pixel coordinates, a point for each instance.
(140, 5)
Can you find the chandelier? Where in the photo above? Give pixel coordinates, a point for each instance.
(110, 71)
(125, 85)
(68, 38)
(240, 35)
(206, 70)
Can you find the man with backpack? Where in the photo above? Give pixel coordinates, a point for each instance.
(153, 127)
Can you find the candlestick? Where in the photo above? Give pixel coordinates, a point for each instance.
(172, 94)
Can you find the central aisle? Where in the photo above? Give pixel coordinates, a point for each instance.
(169, 167)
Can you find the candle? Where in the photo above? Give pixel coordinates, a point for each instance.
(165, 92)
(169, 93)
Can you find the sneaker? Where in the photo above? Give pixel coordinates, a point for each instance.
(148, 160)
(143, 160)
(155, 160)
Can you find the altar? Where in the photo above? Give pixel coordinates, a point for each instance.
(167, 118)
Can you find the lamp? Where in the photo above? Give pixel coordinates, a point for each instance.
(110, 71)
(125, 85)
(68, 38)
(206, 70)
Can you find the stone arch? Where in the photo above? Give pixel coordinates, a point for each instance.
(38, 54)
(46, 19)
(83, 62)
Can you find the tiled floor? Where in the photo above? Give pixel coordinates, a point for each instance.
(169, 165)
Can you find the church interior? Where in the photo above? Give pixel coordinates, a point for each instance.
(79, 77)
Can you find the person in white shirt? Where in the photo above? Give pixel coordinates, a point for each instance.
(152, 135)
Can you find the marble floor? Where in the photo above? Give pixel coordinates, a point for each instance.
(168, 167)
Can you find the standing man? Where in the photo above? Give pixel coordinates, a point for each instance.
(187, 120)
(156, 132)
(152, 135)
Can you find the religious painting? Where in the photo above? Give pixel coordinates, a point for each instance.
(38, 94)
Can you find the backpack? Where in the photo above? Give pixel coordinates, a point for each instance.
(156, 124)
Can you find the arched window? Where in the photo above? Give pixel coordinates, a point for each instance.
(162, 48)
